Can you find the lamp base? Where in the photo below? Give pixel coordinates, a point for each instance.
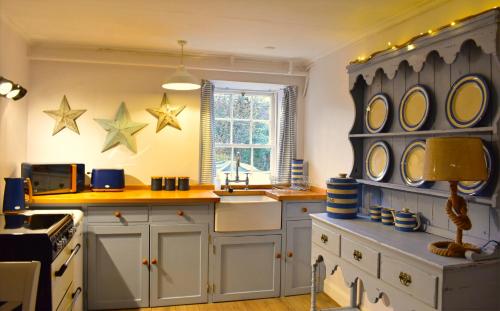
(452, 249)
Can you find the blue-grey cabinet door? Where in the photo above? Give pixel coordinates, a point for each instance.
(179, 264)
(246, 267)
(117, 276)
(298, 257)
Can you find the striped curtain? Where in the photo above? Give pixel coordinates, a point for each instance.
(207, 165)
(287, 142)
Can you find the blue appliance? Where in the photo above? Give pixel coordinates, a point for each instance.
(14, 195)
(107, 180)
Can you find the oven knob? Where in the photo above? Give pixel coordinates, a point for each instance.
(60, 245)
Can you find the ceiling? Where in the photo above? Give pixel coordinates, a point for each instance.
(297, 29)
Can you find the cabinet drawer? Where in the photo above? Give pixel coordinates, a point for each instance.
(301, 210)
(326, 239)
(117, 214)
(361, 256)
(181, 213)
(414, 281)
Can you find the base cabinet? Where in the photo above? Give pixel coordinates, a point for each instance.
(298, 257)
(179, 264)
(117, 277)
(246, 267)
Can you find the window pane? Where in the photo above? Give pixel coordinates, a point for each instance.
(245, 154)
(223, 159)
(261, 107)
(241, 132)
(222, 105)
(241, 107)
(222, 132)
(262, 158)
(260, 133)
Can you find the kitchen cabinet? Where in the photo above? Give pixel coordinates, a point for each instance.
(298, 257)
(179, 264)
(246, 267)
(117, 270)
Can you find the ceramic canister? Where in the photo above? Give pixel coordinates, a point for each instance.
(376, 213)
(387, 218)
(406, 221)
(342, 197)
(297, 172)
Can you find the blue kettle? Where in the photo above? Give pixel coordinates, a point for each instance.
(14, 195)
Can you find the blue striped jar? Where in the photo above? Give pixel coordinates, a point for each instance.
(297, 172)
(406, 221)
(387, 217)
(342, 197)
(376, 213)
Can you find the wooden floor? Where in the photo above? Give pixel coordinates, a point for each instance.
(292, 303)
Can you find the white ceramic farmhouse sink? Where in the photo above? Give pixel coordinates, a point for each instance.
(247, 213)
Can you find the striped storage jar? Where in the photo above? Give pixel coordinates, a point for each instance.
(297, 171)
(406, 221)
(342, 201)
(376, 213)
(387, 217)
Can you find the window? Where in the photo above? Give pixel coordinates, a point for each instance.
(245, 124)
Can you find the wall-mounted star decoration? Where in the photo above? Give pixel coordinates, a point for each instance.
(166, 114)
(65, 117)
(120, 130)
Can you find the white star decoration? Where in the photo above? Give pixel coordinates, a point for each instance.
(65, 117)
(120, 130)
(166, 115)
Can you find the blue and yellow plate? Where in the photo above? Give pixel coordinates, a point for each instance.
(412, 164)
(477, 187)
(377, 161)
(467, 101)
(377, 113)
(414, 108)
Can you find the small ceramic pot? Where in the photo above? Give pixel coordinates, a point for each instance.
(170, 183)
(376, 213)
(156, 183)
(406, 221)
(387, 218)
(183, 183)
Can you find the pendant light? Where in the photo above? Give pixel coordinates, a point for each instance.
(182, 80)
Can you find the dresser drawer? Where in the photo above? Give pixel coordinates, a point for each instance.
(117, 214)
(360, 255)
(417, 283)
(180, 213)
(326, 239)
(301, 210)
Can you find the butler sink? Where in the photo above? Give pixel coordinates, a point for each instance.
(247, 213)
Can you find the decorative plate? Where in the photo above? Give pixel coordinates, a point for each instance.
(476, 187)
(377, 113)
(467, 101)
(412, 164)
(378, 160)
(414, 108)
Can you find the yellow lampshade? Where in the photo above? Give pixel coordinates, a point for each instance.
(455, 159)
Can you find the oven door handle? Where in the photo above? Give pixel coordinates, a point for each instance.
(63, 268)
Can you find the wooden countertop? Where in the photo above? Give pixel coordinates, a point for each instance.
(195, 195)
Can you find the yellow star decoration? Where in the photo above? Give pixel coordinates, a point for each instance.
(65, 117)
(165, 114)
(120, 130)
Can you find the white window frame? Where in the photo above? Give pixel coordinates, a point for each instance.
(272, 127)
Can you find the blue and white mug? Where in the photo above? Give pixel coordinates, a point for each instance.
(376, 213)
(387, 217)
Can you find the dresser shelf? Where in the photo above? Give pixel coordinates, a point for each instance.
(447, 132)
(436, 193)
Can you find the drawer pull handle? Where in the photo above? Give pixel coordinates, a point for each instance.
(278, 255)
(405, 278)
(154, 261)
(290, 254)
(145, 261)
(304, 210)
(357, 255)
(324, 238)
(180, 213)
(118, 214)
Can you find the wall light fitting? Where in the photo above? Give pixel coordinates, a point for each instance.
(11, 90)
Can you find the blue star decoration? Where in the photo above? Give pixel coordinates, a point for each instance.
(120, 130)
(166, 115)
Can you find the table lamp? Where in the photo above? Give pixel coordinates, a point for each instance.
(455, 159)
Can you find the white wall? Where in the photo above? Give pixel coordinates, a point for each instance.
(100, 88)
(13, 114)
(329, 109)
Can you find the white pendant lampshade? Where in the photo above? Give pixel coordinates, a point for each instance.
(182, 80)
